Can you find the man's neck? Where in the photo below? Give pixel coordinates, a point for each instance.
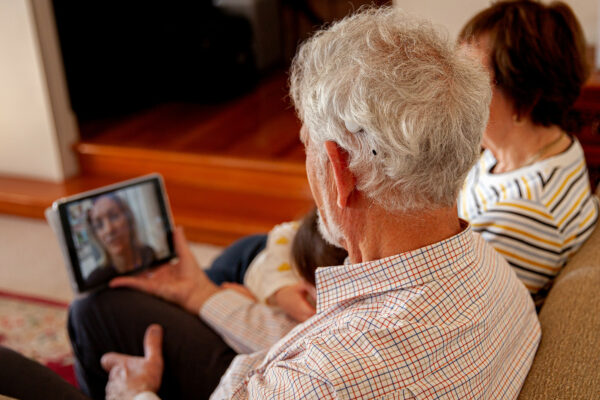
(383, 234)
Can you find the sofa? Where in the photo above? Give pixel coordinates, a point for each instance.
(567, 363)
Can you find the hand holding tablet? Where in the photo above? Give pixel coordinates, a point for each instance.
(113, 231)
(182, 282)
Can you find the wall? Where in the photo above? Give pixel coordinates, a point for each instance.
(37, 128)
(453, 14)
(29, 143)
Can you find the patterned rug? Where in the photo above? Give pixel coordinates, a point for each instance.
(36, 328)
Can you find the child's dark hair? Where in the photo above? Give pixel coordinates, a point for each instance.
(310, 250)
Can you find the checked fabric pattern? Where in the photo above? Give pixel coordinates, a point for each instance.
(447, 321)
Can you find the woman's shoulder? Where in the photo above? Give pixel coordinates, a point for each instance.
(570, 158)
(566, 171)
(539, 182)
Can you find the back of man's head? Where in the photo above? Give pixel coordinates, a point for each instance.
(405, 103)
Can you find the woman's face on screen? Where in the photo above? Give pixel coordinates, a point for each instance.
(110, 225)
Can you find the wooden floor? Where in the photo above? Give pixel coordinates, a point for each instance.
(261, 125)
(230, 170)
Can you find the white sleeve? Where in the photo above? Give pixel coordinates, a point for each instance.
(146, 396)
(273, 268)
(243, 324)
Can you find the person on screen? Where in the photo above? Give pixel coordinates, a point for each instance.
(112, 226)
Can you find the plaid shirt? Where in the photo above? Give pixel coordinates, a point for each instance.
(245, 325)
(449, 320)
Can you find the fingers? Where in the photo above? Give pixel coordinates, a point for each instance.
(152, 350)
(187, 262)
(181, 244)
(141, 283)
(153, 343)
(110, 360)
(310, 289)
(293, 300)
(304, 310)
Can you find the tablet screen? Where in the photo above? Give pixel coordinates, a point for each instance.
(117, 231)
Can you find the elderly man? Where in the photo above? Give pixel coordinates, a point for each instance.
(392, 122)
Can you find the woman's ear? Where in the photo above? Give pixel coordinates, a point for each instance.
(345, 181)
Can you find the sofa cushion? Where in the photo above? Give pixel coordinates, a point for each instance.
(567, 363)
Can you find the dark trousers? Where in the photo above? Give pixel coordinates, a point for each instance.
(195, 357)
(115, 320)
(25, 379)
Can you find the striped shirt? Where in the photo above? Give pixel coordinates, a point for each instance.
(449, 320)
(536, 216)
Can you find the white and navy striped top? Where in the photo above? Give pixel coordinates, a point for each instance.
(536, 216)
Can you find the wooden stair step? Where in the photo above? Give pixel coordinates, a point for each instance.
(230, 169)
(30, 197)
(270, 177)
(220, 217)
(216, 199)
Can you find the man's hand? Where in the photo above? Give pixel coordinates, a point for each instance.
(294, 301)
(129, 375)
(182, 282)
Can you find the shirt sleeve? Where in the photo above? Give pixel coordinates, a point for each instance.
(247, 378)
(285, 383)
(274, 267)
(243, 324)
(146, 396)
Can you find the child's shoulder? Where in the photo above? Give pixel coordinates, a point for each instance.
(287, 229)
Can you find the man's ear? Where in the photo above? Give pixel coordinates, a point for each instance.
(345, 181)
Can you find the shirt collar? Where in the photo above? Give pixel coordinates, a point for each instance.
(340, 283)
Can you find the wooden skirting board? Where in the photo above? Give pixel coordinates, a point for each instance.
(216, 201)
(278, 178)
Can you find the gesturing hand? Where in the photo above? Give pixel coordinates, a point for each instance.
(293, 299)
(129, 375)
(182, 282)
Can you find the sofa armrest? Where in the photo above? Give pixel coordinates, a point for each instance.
(567, 363)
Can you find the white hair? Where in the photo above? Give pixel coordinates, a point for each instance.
(407, 105)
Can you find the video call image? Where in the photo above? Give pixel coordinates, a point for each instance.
(117, 232)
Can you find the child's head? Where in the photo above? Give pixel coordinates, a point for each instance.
(310, 250)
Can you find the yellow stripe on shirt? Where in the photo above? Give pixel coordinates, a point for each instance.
(565, 182)
(586, 219)
(532, 289)
(482, 198)
(574, 207)
(503, 189)
(520, 232)
(526, 187)
(464, 207)
(523, 207)
(528, 261)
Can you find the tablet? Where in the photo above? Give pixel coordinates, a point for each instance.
(114, 230)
